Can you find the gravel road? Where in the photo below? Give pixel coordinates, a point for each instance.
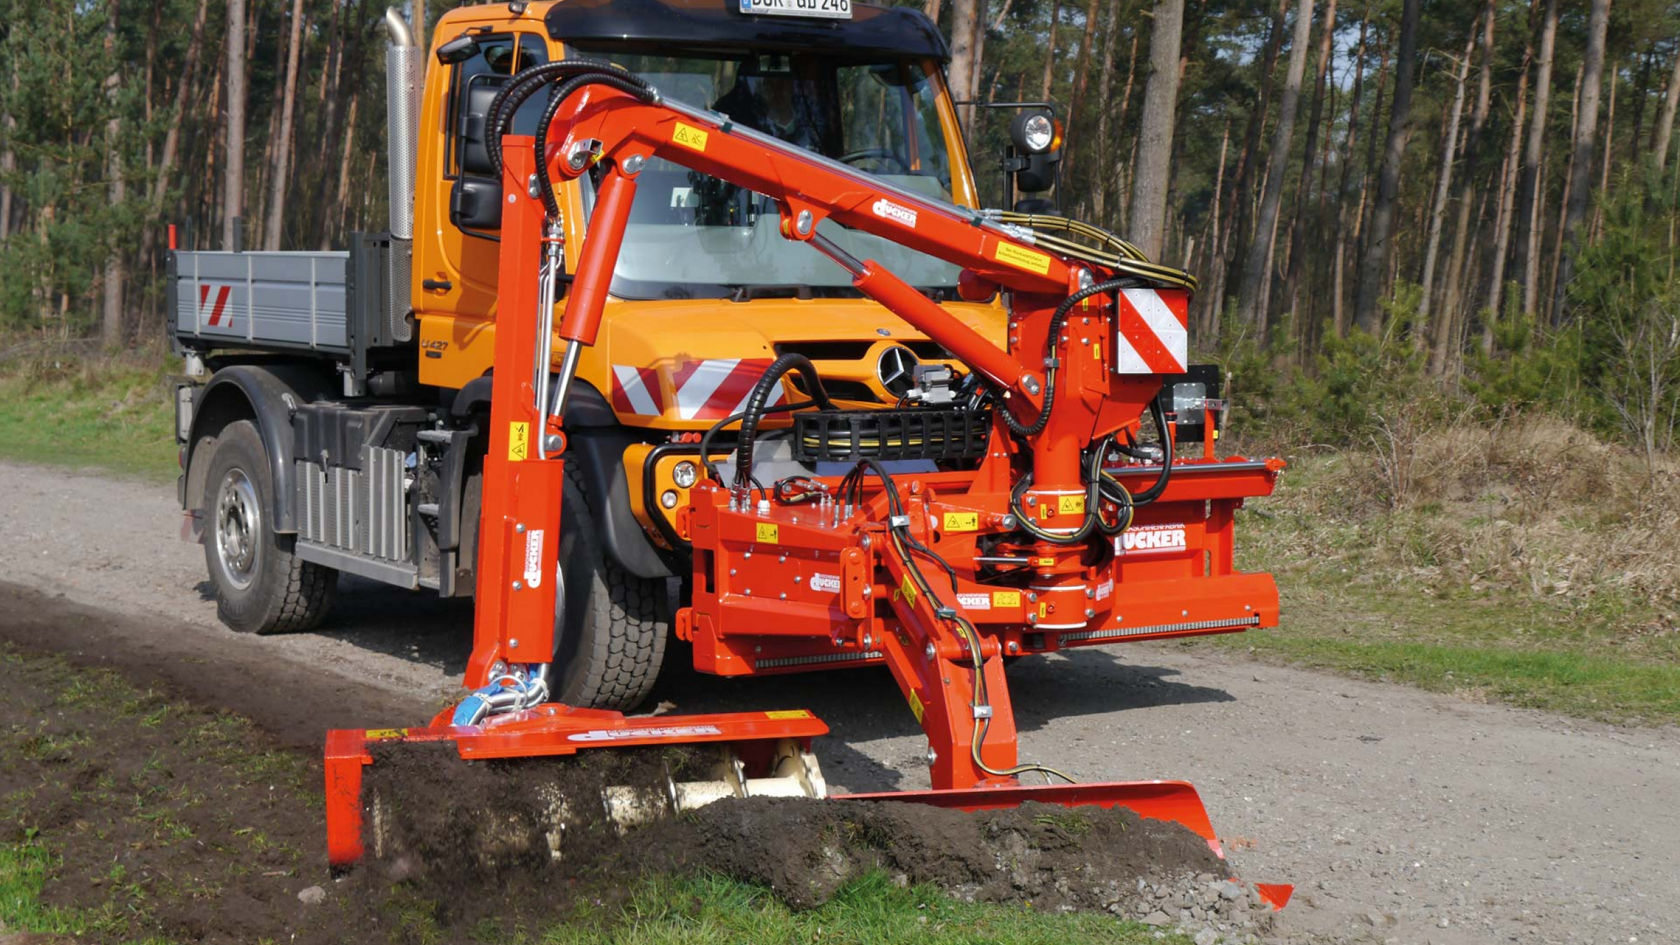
(1402, 816)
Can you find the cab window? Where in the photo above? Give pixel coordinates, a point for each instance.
(475, 200)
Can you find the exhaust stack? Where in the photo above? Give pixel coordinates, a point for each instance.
(402, 120)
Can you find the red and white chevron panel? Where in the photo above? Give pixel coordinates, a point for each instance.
(635, 390)
(216, 310)
(709, 389)
(1153, 337)
(718, 387)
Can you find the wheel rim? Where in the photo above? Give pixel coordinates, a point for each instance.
(238, 523)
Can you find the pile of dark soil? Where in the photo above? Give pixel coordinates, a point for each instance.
(445, 827)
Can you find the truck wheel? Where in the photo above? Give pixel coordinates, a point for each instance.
(261, 587)
(609, 640)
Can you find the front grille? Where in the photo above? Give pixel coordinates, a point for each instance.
(850, 435)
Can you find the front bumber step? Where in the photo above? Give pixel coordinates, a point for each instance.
(548, 730)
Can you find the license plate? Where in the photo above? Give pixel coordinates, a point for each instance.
(827, 9)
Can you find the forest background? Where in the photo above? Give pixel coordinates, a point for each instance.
(1395, 207)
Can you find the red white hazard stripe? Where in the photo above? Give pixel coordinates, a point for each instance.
(709, 389)
(218, 309)
(636, 390)
(1153, 336)
(718, 387)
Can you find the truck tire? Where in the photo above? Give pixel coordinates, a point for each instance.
(609, 638)
(261, 586)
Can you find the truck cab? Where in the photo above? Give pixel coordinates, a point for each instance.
(334, 413)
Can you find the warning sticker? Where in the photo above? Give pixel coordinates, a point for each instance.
(908, 591)
(689, 137)
(1021, 258)
(519, 441)
(1070, 504)
(916, 706)
(787, 714)
(962, 521)
(1006, 598)
(769, 533)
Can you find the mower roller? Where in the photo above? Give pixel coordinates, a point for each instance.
(1029, 523)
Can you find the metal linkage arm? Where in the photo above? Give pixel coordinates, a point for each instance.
(620, 131)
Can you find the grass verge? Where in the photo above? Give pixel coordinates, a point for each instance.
(107, 413)
(1527, 564)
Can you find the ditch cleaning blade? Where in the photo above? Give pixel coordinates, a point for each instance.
(752, 754)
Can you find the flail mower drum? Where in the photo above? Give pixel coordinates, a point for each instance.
(1035, 522)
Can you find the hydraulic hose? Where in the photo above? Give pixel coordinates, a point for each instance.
(610, 76)
(791, 361)
(1057, 320)
(523, 86)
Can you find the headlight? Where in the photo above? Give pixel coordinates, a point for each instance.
(685, 475)
(1034, 132)
(668, 498)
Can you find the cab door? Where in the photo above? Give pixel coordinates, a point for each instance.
(459, 204)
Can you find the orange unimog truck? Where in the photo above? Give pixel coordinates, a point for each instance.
(334, 413)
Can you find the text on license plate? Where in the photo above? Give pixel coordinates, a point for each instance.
(832, 9)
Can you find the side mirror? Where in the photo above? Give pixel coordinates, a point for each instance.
(1035, 150)
(459, 49)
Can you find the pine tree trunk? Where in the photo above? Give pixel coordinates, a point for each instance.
(8, 159)
(1665, 124)
(1367, 311)
(233, 189)
(1050, 51)
(1344, 226)
(279, 183)
(1609, 149)
(960, 73)
(183, 99)
(1443, 187)
(1103, 158)
(1155, 136)
(1503, 216)
(1586, 131)
(111, 322)
(1451, 304)
(1081, 77)
(1251, 292)
(1298, 228)
(1528, 188)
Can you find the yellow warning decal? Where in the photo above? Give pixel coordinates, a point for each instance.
(1046, 511)
(1043, 610)
(1006, 598)
(769, 533)
(962, 521)
(1021, 258)
(1070, 504)
(908, 590)
(519, 441)
(916, 706)
(788, 714)
(380, 734)
(689, 137)
(1046, 562)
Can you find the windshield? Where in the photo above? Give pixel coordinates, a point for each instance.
(693, 236)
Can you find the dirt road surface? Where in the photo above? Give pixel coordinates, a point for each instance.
(1402, 816)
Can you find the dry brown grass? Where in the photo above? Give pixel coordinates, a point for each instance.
(1526, 503)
